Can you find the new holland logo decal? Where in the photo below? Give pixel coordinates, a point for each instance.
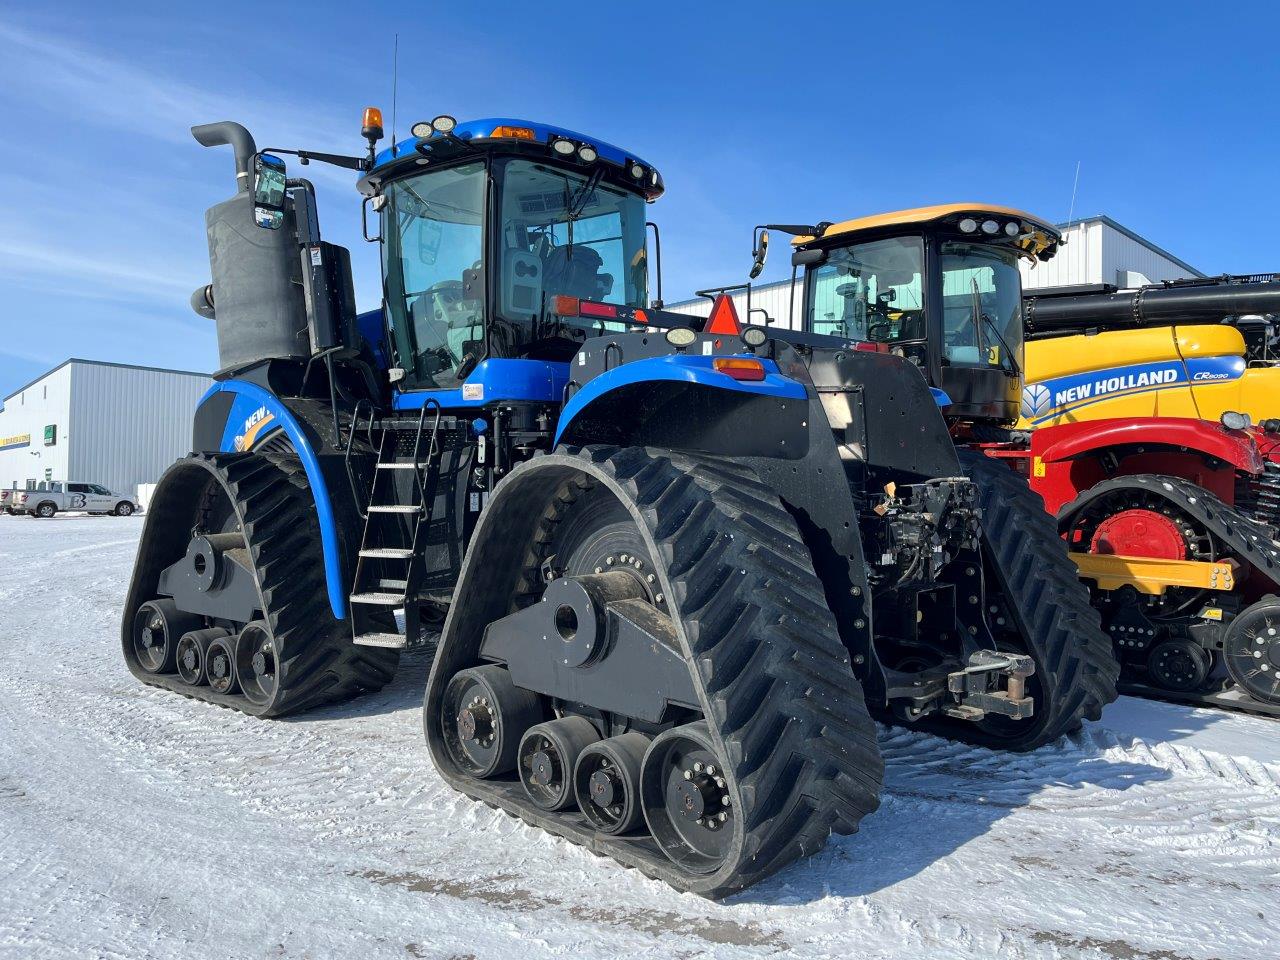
(253, 426)
(1052, 398)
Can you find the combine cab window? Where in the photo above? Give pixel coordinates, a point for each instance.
(434, 252)
(981, 306)
(561, 233)
(869, 291)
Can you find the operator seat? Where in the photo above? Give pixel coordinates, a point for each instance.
(575, 272)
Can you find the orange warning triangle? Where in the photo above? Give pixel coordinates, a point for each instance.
(724, 318)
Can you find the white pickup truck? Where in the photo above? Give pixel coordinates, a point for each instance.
(52, 496)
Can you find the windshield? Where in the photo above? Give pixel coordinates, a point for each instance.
(563, 233)
(981, 306)
(433, 253)
(869, 291)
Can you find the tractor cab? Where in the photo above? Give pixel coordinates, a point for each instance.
(938, 285)
(505, 245)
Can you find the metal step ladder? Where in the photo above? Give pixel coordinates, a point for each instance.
(389, 565)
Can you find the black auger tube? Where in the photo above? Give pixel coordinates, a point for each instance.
(1148, 307)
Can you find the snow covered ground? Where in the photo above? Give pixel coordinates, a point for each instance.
(135, 823)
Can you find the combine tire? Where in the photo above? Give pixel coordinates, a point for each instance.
(1035, 589)
(779, 751)
(298, 655)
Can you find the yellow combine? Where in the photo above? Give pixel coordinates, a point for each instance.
(1146, 419)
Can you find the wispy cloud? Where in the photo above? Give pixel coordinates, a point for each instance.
(94, 87)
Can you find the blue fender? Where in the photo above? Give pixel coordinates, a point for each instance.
(257, 413)
(679, 368)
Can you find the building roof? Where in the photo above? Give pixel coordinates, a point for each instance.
(102, 363)
(1136, 237)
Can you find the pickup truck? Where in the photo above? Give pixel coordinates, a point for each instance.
(52, 496)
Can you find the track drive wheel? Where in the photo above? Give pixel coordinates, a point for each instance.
(1046, 611)
(1251, 650)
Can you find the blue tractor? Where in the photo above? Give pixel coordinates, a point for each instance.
(679, 562)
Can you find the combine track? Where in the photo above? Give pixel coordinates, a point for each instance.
(128, 817)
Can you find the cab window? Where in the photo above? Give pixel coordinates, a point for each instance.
(433, 258)
(981, 306)
(564, 232)
(869, 291)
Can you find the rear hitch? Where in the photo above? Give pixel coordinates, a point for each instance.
(977, 691)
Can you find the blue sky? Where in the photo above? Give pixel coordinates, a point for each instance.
(753, 112)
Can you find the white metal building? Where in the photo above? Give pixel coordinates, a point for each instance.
(109, 423)
(1095, 250)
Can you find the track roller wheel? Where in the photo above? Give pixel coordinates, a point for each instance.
(1251, 649)
(606, 782)
(220, 665)
(548, 755)
(483, 718)
(1179, 665)
(257, 664)
(156, 628)
(682, 792)
(192, 650)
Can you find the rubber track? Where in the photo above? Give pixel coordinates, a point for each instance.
(1248, 539)
(777, 687)
(318, 663)
(1076, 666)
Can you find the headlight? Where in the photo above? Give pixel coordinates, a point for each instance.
(422, 129)
(968, 225)
(637, 171)
(588, 153)
(1011, 229)
(1236, 421)
(562, 147)
(681, 337)
(443, 123)
(990, 226)
(754, 336)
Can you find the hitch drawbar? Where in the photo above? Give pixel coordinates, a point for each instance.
(977, 691)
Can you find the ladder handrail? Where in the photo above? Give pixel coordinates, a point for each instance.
(346, 458)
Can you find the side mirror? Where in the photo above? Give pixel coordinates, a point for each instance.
(760, 253)
(268, 191)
